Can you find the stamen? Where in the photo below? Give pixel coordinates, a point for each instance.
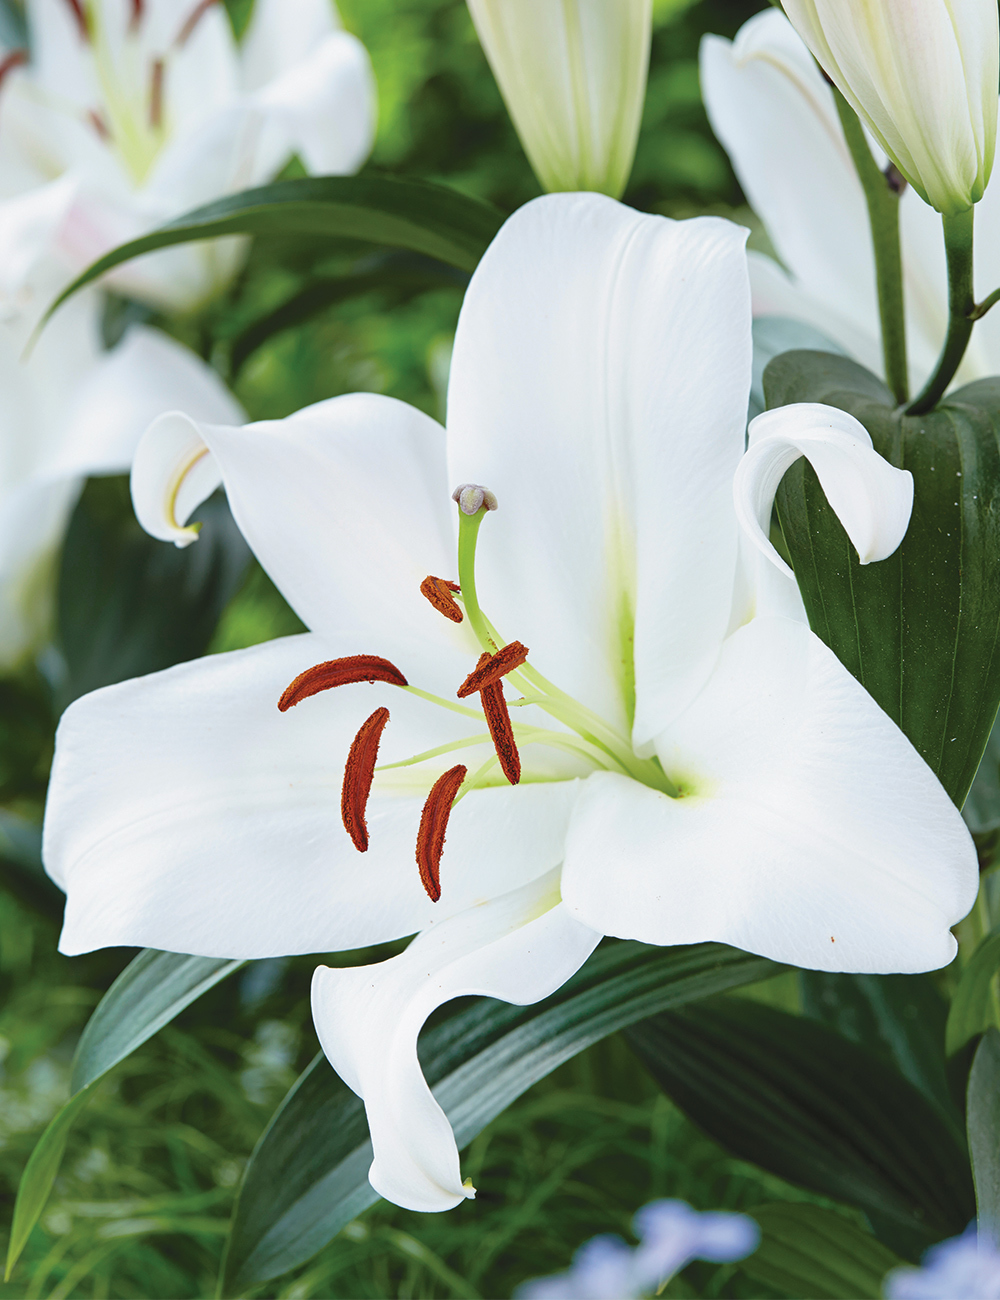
(358, 775)
(438, 592)
(156, 95)
(192, 21)
(433, 824)
(491, 668)
(15, 59)
(471, 498)
(81, 18)
(498, 721)
(340, 672)
(99, 124)
(136, 19)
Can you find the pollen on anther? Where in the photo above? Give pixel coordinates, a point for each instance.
(433, 824)
(501, 731)
(491, 668)
(340, 672)
(358, 775)
(439, 592)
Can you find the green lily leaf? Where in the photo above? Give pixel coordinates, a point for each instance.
(404, 275)
(415, 215)
(806, 1250)
(975, 1005)
(919, 630)
(128, 604)
(898, 1017)
(308, 1175)
(982, 808)
(806, 1104)
(153, 989)
(983, 1119)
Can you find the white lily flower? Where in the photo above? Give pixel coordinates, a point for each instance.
(666, 767)
(67, 410)
(923, 77)
(131, 112)
(775, 115)
(573, 76)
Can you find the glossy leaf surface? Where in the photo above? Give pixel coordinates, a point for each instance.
(919, 630)
(416, 215)
(806, 1250)
(975, 1004)
(806, 1104)
(308, 1176)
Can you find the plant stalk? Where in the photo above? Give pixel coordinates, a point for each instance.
(883, 217)
(961, 310)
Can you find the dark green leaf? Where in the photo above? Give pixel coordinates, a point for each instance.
(804, 1103)
(149, 993)
(982, 808)
(918, 630)
(402, 275)
(416, 215)
(129, 604)
(975, 1004)
(806, 1250)
(309, 1173)
(983, 1118)
(899, 1017)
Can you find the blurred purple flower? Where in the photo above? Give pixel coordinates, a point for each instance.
(964, 1268)
(671, 1234)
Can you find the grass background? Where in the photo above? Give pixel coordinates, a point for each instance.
(142, 1203)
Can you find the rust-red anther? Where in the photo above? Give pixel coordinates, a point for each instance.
(137, 12)
(340, 672)
(192, 21)
(498, 721)
(358, 775)
(491, 668)
(15, 59)
(433, 824)
(438, 592)
(80, 14)
(156, 95)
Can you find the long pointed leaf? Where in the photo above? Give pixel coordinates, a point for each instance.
(148, 994)
(814, 1108)
(983, 1118)
(309, 1173)
(976, 1002)
(416, 215)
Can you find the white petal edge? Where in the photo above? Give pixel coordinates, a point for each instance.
(870, 497)
(813, 832)
(520, 948)
(173, 472)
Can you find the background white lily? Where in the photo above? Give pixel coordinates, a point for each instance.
(599, 386)
(923, 77)
(774, 114)
(573, 76)
(133, 111)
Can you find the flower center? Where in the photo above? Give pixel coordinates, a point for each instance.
(586, 735)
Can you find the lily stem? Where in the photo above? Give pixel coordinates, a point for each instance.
(883, 217)
(961, 309)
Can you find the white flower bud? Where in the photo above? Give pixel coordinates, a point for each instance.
(573, 77)
(923, 77)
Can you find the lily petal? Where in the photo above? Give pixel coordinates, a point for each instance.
(519, 948)
(812, 831)
(578, 395)
(870, 497)
(185, 812)
(364, 479)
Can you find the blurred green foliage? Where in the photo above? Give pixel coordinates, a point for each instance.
(141, 1206)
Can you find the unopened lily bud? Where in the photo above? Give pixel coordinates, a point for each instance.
(471, 498)
(573, 76)
(923, 77)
